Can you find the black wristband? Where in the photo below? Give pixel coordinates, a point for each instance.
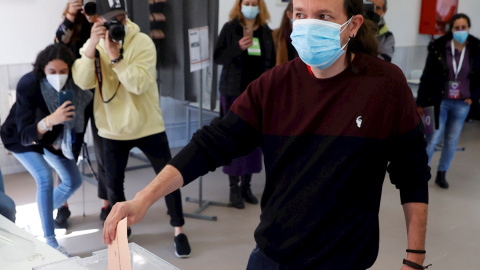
(117, 60)
(416, 251)
(414, 265)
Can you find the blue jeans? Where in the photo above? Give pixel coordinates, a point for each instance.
(452, 117)
(7, 205)
(48, 198)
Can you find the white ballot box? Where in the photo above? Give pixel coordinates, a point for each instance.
(20, 250)
(142, 259)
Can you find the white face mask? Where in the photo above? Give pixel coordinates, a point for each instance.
(57, 81)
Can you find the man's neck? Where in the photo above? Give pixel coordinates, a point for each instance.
(333, 70)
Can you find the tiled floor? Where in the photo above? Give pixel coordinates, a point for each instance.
(453, 239)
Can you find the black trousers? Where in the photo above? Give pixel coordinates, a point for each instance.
(115, 158)
(98, 148)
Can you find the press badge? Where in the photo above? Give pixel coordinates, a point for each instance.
(454, 90)
(255, 50)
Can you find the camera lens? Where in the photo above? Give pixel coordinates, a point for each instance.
(116, 30)
(90, 8)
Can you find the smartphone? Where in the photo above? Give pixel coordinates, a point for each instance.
(247, 32)
(64, 95)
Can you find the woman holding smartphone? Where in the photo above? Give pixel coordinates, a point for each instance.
(245, 49)
(38, 131)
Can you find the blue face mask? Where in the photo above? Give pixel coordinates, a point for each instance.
(460, 36)
(250, 12)
(318, 42)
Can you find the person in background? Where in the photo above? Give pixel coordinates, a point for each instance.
(281, 37)
(73, 32)
(39, 130)
(386, 40)
(119, 62)
(326, 148)
(7, 205)
(450, 82)
(245, 49)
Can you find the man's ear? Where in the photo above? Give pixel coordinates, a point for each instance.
(355, 24)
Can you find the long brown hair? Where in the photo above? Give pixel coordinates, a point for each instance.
(365, 41)
(285, 25)
(262, 17)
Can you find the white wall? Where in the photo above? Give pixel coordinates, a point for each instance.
(27, 27)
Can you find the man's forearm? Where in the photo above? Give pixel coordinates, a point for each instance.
(168, 180)
(416, 220)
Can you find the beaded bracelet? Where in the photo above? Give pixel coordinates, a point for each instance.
(416, 251)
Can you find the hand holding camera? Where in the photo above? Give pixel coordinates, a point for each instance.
(74, 7)
(98, 31)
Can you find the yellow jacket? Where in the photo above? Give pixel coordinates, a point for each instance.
(135, 110)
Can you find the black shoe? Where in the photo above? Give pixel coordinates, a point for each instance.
(104, 212)
(249, 197)
(57, 225)
(236, 199)
(440, 180)
(182, 247)
(62, 215)
(246, 190)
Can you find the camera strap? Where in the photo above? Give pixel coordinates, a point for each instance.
(98, 74)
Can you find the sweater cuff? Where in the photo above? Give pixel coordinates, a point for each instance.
(414, 194)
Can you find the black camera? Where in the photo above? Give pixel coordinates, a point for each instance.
(90, 8)
(116, 30)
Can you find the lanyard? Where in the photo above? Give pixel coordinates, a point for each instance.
(456, 69)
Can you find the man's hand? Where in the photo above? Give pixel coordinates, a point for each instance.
(167, 181)
(134, 210)
(98, 31)
(112, 47)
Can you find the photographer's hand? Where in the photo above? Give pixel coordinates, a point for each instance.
(112, 47)
(72, 10)
(98, 31)
(64, 112)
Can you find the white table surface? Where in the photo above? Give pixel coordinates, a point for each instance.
(43, 253)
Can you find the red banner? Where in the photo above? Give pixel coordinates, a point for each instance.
(435, 16)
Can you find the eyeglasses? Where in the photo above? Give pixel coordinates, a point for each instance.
(460, 27)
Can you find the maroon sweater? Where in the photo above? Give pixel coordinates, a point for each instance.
(327, 145)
